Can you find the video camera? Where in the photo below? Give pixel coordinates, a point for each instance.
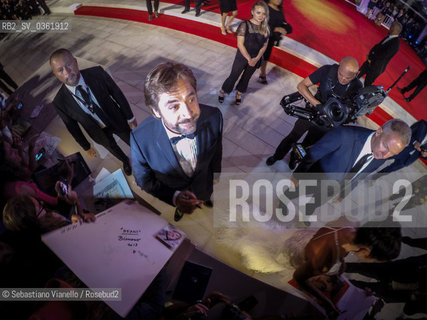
(335, 111)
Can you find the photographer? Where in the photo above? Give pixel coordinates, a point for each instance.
(337, 81)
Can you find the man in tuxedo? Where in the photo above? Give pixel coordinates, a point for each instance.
(381, 54)
(176, 152)
(348, 153)
(346, 148)
(91, 98)
(337, 81)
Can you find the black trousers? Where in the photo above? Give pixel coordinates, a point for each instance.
(112, 145)
(240, 65)
(371, 73)
(301, 126)
(198, 5)
(43, 4)
(5, 77)
(150, 7)
(409, 270)
(419, 82)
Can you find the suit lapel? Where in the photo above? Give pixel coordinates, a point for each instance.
(94, 85)
(70, 106)
(164, 146)
(358, 146)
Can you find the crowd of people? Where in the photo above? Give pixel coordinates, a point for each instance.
(176, 152)
(412, 24)
(22, 9)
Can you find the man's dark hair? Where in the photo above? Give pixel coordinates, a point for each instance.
(383, 239)
(163, 79)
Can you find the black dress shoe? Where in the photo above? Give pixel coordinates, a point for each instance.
(198, 13)
(185, 11)
(209, 203)
(270, 161)
(127, 168)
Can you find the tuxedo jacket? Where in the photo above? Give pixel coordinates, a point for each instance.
(156, 168)
(336, 152)
(409, 155)
(381, 54)
(111, 100)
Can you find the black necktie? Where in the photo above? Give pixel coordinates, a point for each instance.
(175, 140)
(359, 164)
(86, 98)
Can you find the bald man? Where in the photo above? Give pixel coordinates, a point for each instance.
(91, 99)
(334, 81)
(381, 54)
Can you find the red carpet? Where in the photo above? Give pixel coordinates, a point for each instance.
(332, 27)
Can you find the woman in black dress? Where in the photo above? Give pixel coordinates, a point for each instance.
(278, 27)
(227, 6)
(252, 38)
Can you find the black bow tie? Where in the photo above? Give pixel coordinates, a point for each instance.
(175, 140)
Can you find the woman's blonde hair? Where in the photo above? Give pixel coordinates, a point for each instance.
(264, 25)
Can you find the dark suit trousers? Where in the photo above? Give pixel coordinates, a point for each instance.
(240, 65)
(371, 73)
(44, 6)
(150, 6)
(5, 77)
(316, 193)
(112, 145)
(409, 270)
(198, 5)
(419, 82)
(301, 126)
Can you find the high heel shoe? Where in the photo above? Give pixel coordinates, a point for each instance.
(221, 95)
(238, 98)
(262, 80)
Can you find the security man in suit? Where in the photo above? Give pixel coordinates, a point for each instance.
(91, 98)
(349, 153)
(381, 54)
